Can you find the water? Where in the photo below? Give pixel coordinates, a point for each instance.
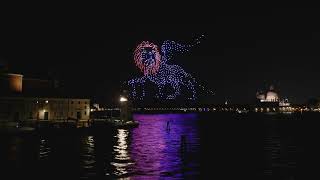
(195, 146)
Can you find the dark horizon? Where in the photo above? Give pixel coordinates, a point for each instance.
(239, 55)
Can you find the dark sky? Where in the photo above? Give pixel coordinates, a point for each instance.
(242, 52)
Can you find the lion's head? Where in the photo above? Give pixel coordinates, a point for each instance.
(147, 58)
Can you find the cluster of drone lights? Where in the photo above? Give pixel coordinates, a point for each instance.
(142, 56)
(154, 67)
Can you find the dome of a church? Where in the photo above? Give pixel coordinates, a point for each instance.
(269, 96)
(261, 96)
(272, 96)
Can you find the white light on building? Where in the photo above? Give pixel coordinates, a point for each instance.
(123, 99)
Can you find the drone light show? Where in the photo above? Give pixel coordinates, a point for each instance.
(147, 58)
(155, 68)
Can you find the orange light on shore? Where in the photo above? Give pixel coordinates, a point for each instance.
(15, 82)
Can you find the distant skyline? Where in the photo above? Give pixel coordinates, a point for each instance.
(239, 56)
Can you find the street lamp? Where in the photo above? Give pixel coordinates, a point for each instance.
(124, 108)
(123, 99)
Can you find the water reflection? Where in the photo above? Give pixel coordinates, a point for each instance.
(151, 151)
(156, 150)
(122, 159)
(280, 156)
(121, 147)
(44, 150)
(88, 161)
(280, 143)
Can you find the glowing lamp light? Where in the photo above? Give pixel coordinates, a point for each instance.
(47, 101)
(123, 99)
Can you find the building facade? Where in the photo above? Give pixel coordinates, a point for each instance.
(24, 99)
(270, 102)
(51, 109)
(10, 82)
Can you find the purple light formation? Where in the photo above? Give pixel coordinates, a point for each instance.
(155, 68)
(157, 150)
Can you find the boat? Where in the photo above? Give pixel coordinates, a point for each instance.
(118, 123)
(114, 122)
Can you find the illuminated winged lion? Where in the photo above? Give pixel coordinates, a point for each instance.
(155, 68)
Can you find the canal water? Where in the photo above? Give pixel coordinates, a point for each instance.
(172, 146)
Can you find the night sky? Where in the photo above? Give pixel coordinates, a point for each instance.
(242, 52)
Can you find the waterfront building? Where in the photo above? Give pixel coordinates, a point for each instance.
(270, 101)
(38, 99)
(51, 109)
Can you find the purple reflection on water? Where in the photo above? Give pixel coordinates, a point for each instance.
(157, 150)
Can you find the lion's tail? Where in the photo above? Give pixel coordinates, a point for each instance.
(199, 86)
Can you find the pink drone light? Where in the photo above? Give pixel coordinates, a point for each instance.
(150, 69)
